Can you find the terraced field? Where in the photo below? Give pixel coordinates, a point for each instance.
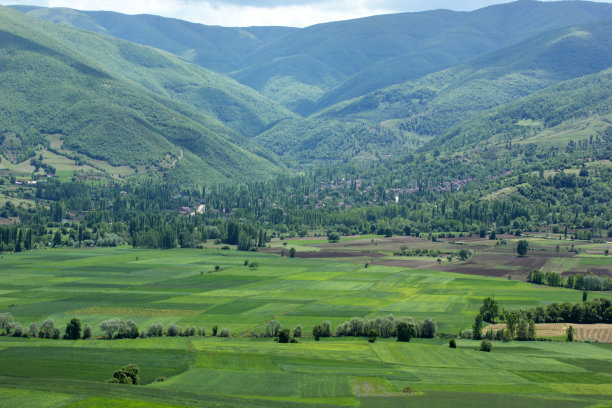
(186, 288)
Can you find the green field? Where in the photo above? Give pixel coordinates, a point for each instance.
(183, 287)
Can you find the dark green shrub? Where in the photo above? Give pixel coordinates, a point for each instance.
(486, 345)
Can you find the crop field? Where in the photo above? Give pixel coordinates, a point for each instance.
(206, 288)
(582, 332)
(488, 259)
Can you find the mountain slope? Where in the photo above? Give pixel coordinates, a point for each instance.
(379, 51)
(237, 106)
(404, 117)
(313, 68)
(218, 48)
(473, 34)
(50, 88)
(431, 105)
(530, 119)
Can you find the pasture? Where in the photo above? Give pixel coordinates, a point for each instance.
(185, 287)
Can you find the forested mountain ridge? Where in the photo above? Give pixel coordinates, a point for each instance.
(311, 68)
(119, 102)
(221, 49)
(430, 105)
(585, 101)
(398, 119)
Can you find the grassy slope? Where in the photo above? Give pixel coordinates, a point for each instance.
(478, 32)
(103, 283)
(50, 87)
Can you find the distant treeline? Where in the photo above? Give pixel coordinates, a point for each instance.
(417, 195)
(576, 281)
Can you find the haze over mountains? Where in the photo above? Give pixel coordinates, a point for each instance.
(365, 89)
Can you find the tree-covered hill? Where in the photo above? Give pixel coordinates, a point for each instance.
(237, 106)
(429, 106)
(550, 117)
(53, 83)
(400, 118)
(222, 49)
(315, 67)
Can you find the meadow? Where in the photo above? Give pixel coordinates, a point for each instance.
(185, 287)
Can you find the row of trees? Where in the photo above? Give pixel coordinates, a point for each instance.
(47, 329)
(403, 328)
(598, 310)
(112, 328)
(577, 281)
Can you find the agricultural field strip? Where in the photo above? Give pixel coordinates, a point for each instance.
(400, 289)
(309, 370)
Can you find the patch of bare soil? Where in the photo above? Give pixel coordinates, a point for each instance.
(324, 254)
(599, 272)
(338, 254)
(528, 262)
(9, 221)
(405, 263)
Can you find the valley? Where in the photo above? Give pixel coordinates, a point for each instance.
(400, 210)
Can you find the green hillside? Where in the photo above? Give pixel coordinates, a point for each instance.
(473, 34)
(313, 141)
(312, 68)
(237, 106)
(403, 117)
(431, 105)
(553, 117)
(51, 88)
(379, 51)
(222, 49)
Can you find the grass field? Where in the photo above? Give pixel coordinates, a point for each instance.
(182, 287)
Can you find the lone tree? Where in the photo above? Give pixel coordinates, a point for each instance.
(126, 375)
(486, 345)
(522, 247)
(569, 332)
(333, 236)
(292, 252)
(477, 327)
(284, 335)
(465, 254)
(73, 329)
